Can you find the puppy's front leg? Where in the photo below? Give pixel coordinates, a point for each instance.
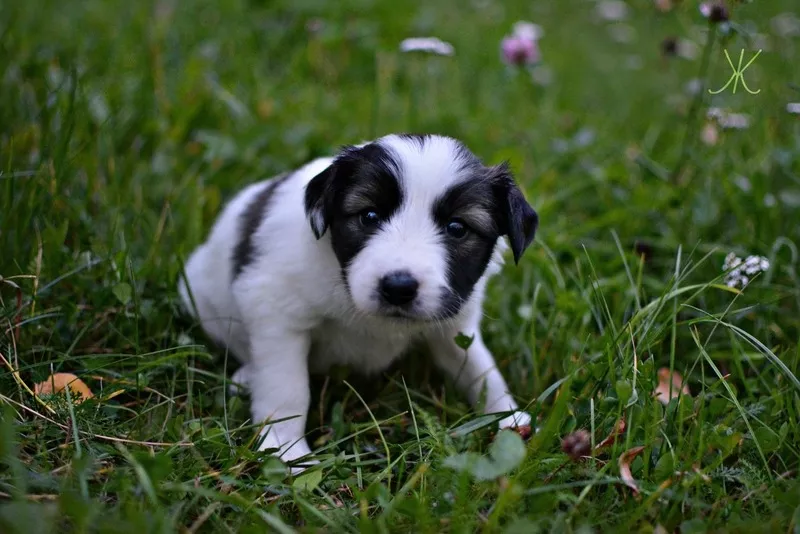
(472, 370)
(279, 388)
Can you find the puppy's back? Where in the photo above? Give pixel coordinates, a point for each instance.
(212, 266)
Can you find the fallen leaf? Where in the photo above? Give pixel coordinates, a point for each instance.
(619, 428)
(625, 467)
(663, 391)
(56, 383)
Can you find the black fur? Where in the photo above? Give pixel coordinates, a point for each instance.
(244, 251)
(467, 256)
(419, 139)
(359, 179)
(517, 219)
(491, 205)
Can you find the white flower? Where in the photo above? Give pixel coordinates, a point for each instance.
(736, 121)
(527, 30)
(431, 45)
(793, 107)
(740, 272)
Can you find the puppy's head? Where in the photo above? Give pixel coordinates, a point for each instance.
(413, 222)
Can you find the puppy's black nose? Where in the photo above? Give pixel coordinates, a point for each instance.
(398, 288)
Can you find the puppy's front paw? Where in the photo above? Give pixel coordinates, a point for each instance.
(519, 421)
(289, 452)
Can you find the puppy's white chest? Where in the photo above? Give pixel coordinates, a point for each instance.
(366, 348)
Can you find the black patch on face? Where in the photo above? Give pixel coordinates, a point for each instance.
(358, 181)
(490, 205)
(472, 204)
(244, 251)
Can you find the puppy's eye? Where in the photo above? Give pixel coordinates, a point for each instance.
(369, 218)
(456, 228)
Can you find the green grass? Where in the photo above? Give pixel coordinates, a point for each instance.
(125, 125)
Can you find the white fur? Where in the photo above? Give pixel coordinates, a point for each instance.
(292, 298)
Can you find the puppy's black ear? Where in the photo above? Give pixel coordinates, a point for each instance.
(317, 200)
(517, 218)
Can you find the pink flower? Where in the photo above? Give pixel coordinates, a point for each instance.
(519, 50)
(714, 11)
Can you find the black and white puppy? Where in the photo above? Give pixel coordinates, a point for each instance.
(349, 260)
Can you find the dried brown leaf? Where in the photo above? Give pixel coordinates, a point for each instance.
(663, 391)
(619, 428)
(56, 383)
(625, 467)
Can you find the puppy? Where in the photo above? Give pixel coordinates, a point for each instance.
(350, 260)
